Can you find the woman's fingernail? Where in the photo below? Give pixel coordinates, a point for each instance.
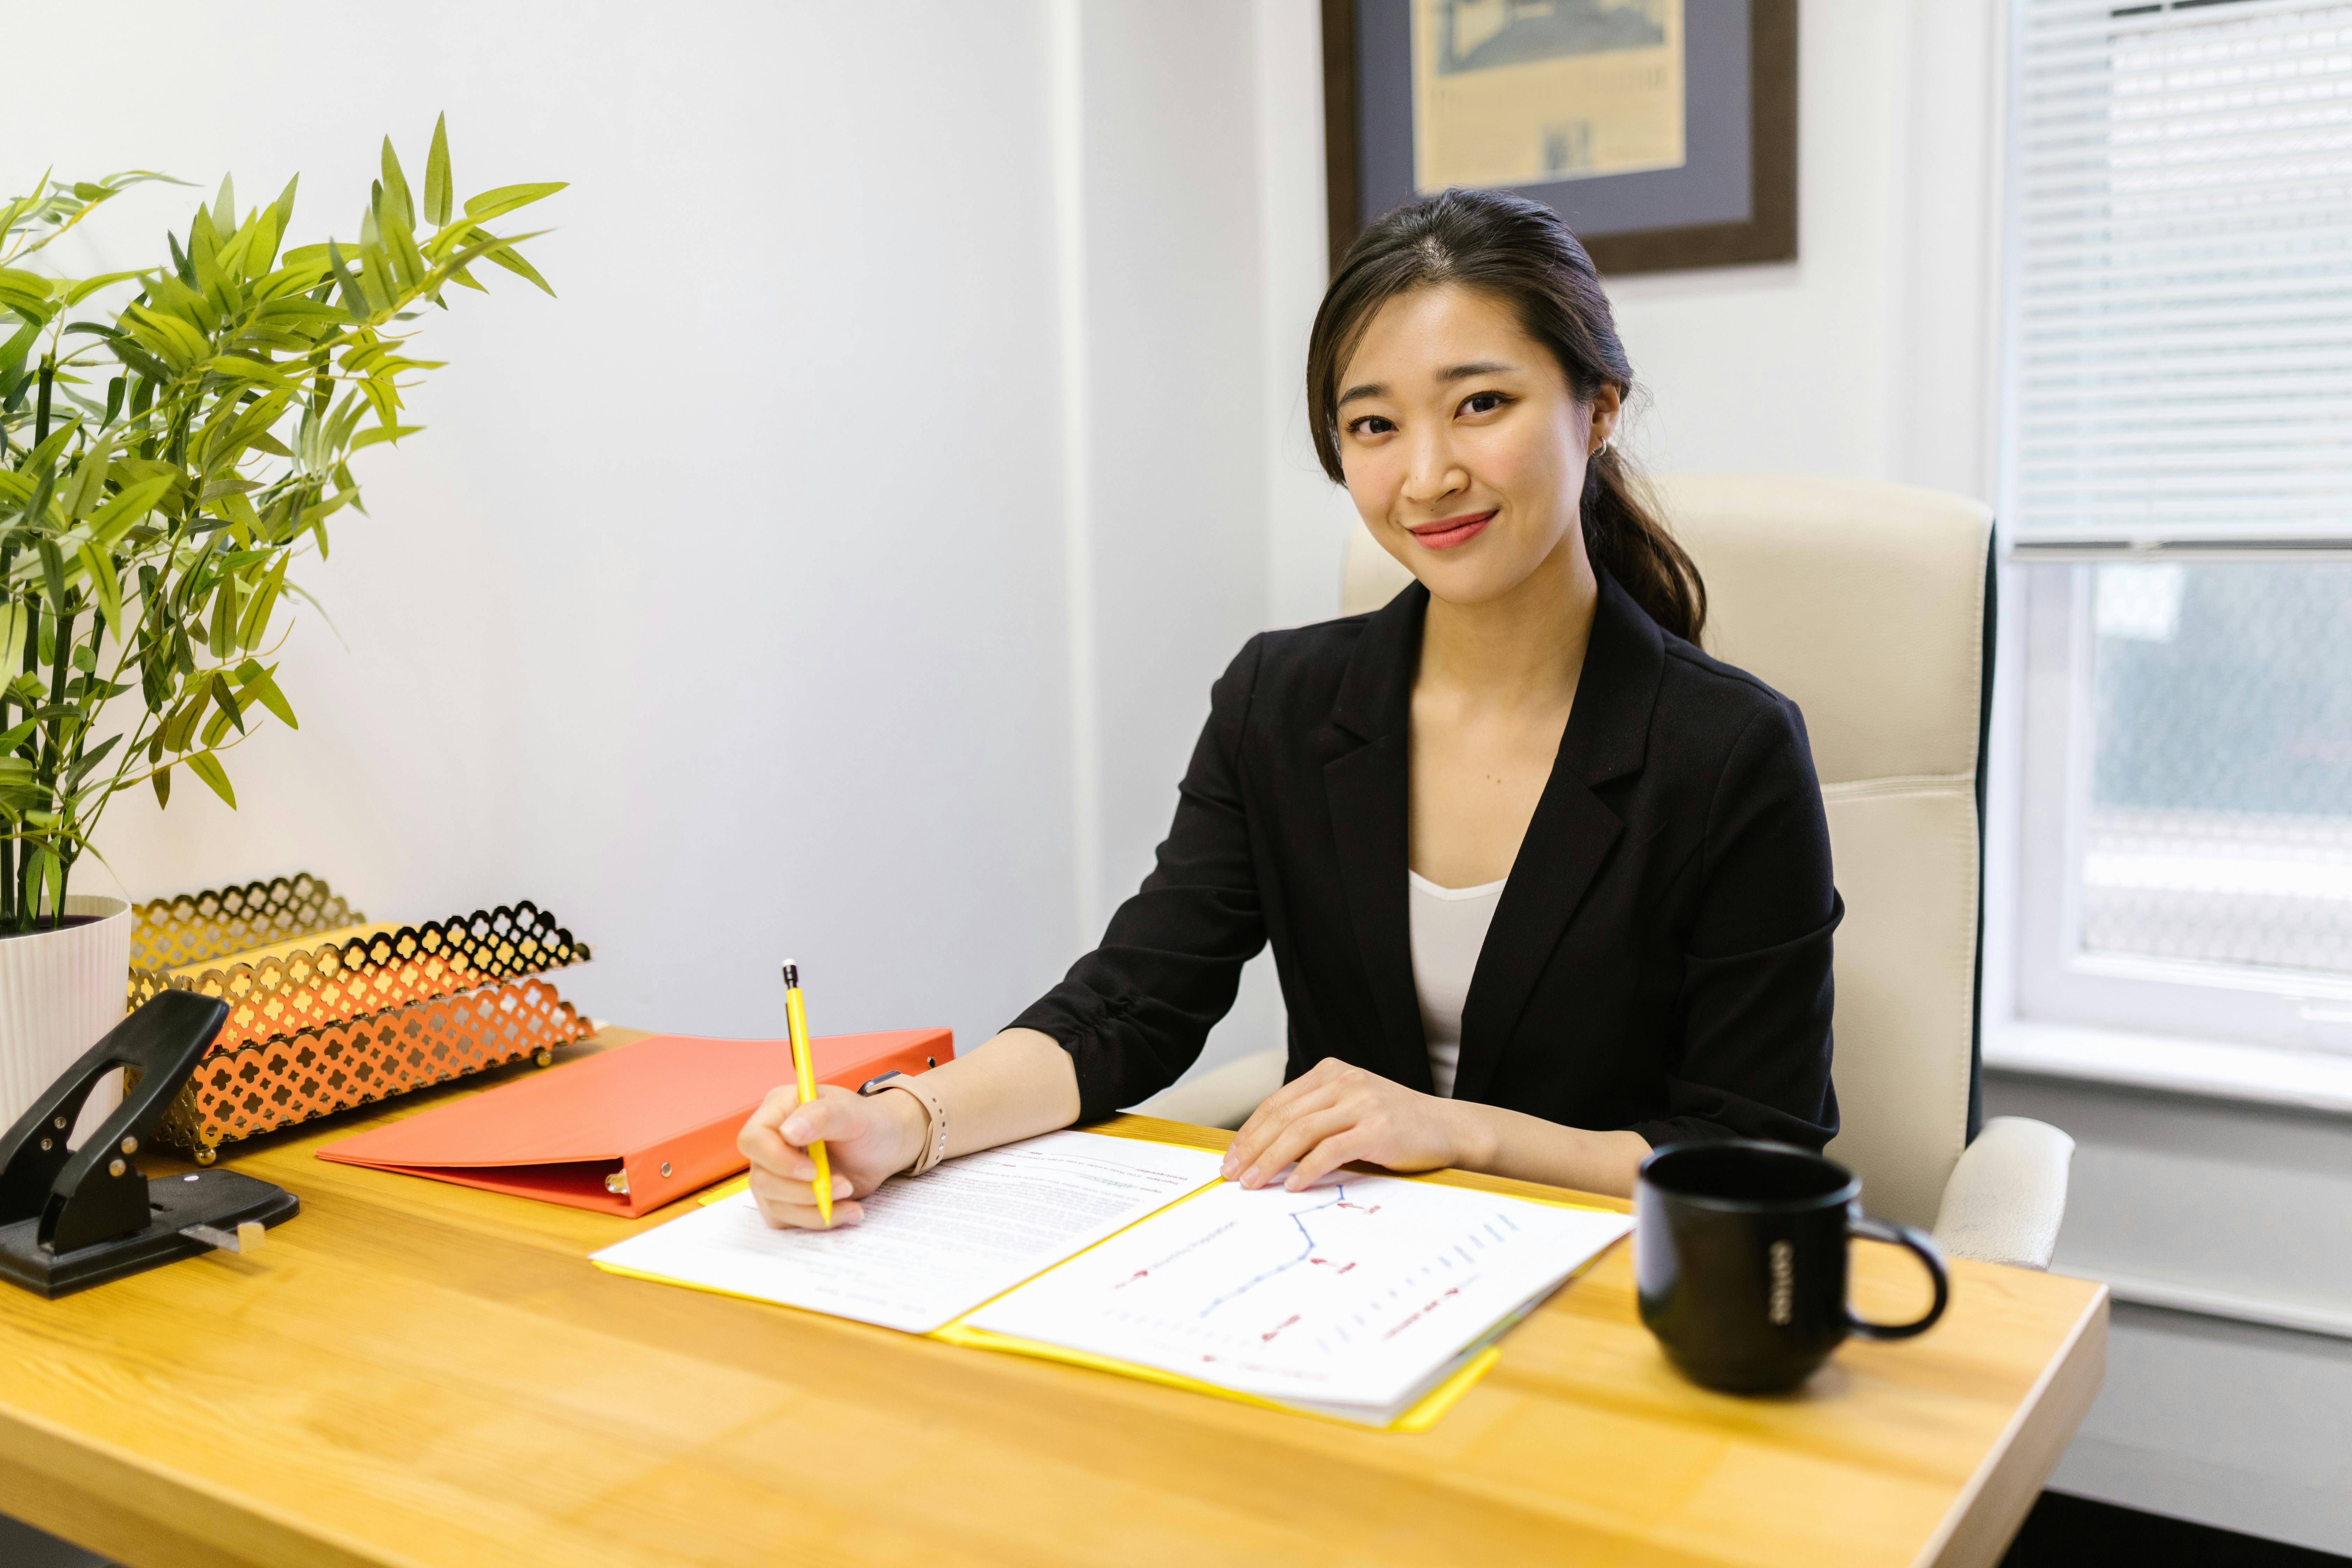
(797, 1131)
(1249, 1177)
(1227, 1169)
(841, 1186)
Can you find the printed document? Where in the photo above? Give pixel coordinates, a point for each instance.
(931, 1247)
(1358, 1292)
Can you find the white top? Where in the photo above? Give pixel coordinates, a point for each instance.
(1449, 927)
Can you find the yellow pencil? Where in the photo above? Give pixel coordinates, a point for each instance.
(796, 1020)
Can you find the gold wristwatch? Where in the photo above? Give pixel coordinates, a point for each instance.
(935, 1115)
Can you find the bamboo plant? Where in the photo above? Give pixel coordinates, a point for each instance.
(165, 460)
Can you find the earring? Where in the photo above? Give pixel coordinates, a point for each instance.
(1602, 449)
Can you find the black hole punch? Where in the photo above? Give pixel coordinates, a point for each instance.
(71, 1219)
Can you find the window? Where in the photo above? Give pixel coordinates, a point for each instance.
(2177, 465)
(2217, 823)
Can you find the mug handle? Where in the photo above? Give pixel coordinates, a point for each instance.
(1925, 1249)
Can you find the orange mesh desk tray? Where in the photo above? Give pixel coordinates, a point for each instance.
(327, 1012)
(241, 1089)
(626, 1130)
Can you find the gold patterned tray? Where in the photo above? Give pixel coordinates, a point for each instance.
(192, 926)
(245, 1090)
(327, 1012)
(359, 970)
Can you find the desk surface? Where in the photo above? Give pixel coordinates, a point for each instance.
(412, 1372)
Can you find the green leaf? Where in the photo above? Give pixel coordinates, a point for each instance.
(204, 255)
(395, 185)
(175, 296)
(89, 480)
(172, 340)
(43, 869)
(105, 585)
(129, 177)
(369, 436)
(183, 720)
(300, 314)
(82, 290)
(53, 571)
(109, 523)
(507, 198)
(237, 367)
(436, 175)
(225, 206)
(161, 779)
(220, 638)
(16, 617)
(45, 456)
(91, 759)
(18, 736)
(24, 291)
(347, 285)
(13, 351)
(138, 360)
(254, 625)
(225, 699)
(506, 256)
(236, 510)
(206, 766)
(262, 685)
(376, 278)
(261, 249)
(400, 248)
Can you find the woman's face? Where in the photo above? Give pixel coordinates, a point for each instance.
(1464, 447)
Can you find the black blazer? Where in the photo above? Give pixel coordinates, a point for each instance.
(1659, 961)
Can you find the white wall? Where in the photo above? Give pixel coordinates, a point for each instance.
(1869, 356)
(838, 564)
(1205, 520)
(2208, 1416)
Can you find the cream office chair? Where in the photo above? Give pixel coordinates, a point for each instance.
(1865, 603)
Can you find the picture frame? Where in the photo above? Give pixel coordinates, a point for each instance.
(1729, 200)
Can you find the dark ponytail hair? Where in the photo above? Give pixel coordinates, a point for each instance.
(1520, 253)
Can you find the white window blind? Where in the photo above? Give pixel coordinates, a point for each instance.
(2180, 278)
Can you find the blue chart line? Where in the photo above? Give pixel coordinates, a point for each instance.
(1339, 1196)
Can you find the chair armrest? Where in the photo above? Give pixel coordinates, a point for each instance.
(1223, 1097)
(2007, 1194)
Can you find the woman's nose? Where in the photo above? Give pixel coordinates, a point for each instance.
(1433, 474)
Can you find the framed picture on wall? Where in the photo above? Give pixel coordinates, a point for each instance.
(1664, 131)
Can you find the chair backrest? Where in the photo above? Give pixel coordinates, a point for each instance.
(1867, 605)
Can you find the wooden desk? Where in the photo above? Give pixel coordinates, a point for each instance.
(418, 1373)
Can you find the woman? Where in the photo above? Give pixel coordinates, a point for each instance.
(1546, 886)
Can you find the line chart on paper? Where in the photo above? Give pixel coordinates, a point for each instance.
(1348, 1292)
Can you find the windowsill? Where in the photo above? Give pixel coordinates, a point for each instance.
(2211, 1069)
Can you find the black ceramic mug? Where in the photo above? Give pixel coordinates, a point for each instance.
(1739, 1253)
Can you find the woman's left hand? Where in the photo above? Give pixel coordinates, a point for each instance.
(1334, 1113)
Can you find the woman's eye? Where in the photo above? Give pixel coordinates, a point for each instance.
(1370, 424)
(1483, 402)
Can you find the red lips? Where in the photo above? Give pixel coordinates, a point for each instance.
(1448, 532)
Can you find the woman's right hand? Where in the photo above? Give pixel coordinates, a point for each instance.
(867, 1139)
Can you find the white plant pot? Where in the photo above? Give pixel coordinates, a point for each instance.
(60, 991)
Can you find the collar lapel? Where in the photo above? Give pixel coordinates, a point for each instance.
(1366, 789)
(1572, 830)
